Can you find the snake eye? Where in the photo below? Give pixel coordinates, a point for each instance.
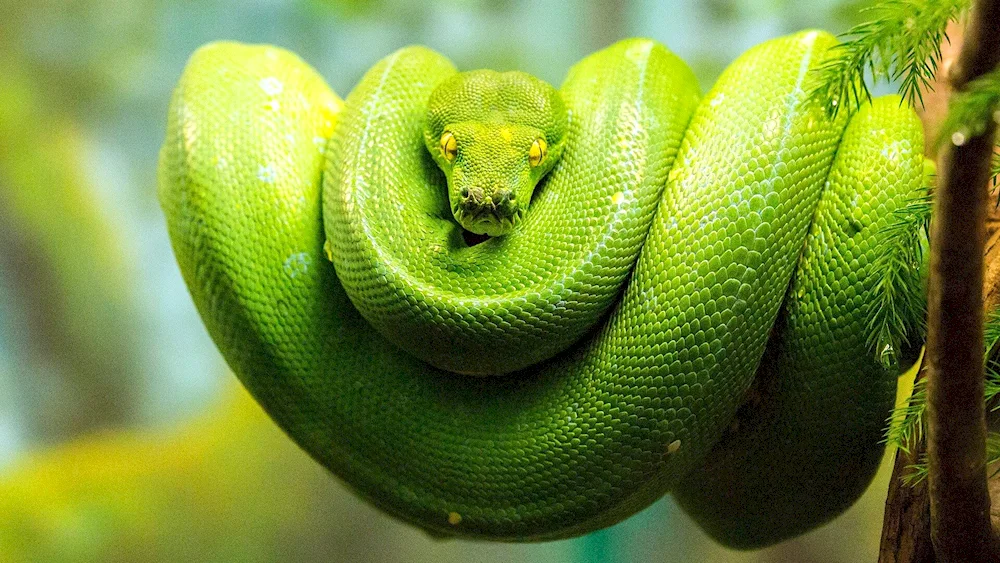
(448, 146)
(536, 154)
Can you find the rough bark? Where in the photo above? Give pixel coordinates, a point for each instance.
(906, 534)
(906, 525)
(956, 423)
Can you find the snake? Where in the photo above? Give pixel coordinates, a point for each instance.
(499, 310)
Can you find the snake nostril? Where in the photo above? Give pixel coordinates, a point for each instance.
(464, 192)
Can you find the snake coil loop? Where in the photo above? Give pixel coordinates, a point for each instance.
(731, 368)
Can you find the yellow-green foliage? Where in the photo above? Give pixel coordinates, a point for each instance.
(68, 257)
(226, 487)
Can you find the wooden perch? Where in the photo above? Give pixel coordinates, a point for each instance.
(957, 522)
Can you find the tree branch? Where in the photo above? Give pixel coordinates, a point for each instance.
(906, 527)
(956, 437)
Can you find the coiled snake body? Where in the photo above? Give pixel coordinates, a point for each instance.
(760, 212)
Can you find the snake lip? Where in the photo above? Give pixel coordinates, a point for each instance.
(487, 219)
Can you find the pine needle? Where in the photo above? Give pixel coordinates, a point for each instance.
(971, 109)
(992, 450)
(896, 314)
(918, 471)
(901, 41)
(909, 430)
(995, 171)
(991, 334)
(991, 338)
(992, 386)
(968, 113)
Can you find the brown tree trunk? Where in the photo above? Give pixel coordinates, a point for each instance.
(958, 515)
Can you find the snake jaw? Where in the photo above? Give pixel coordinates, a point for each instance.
(491, 215)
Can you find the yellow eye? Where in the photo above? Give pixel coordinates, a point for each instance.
(537, 152)
(448, 146)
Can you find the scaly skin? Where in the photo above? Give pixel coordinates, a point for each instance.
(777, 438)
(565, 446)
(490, 122)
(512, 301)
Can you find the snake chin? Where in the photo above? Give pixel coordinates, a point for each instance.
(487, 222)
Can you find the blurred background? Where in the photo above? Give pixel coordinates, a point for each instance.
(123, 437)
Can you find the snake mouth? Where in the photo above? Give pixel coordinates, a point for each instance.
(487, 220)
(491, 211)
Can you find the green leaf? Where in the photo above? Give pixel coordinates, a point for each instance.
(995, 171)
(909, 428)
(900, 41)
(918, 471)
(991, 333)
(896, 313)
(970, 110)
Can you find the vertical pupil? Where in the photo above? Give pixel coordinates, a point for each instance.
(448, 145)
(537, 152)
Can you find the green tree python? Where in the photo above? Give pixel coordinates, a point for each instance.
(673, 298)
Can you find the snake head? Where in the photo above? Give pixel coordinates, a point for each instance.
(494, 135)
